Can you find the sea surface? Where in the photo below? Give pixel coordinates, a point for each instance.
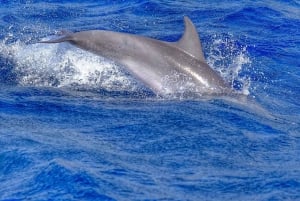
(76, 126)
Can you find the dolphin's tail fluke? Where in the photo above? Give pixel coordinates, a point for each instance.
(65, 36)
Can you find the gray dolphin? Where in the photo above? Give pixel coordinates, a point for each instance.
(165, 67)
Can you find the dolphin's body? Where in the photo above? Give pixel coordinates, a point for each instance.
(162, 66)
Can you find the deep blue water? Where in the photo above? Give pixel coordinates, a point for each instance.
(74, 126)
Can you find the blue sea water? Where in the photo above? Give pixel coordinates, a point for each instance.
(75, 126)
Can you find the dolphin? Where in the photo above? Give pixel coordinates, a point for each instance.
(164, 67)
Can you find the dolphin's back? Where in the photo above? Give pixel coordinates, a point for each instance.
(163, 66)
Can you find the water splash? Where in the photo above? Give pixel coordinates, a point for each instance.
(231, 60)
(62, 65)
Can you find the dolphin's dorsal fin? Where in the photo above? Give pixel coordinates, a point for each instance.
(190, 41)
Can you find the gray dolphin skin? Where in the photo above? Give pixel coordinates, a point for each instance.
(164, 67)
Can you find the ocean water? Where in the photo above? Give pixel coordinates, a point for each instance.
(75, 126)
